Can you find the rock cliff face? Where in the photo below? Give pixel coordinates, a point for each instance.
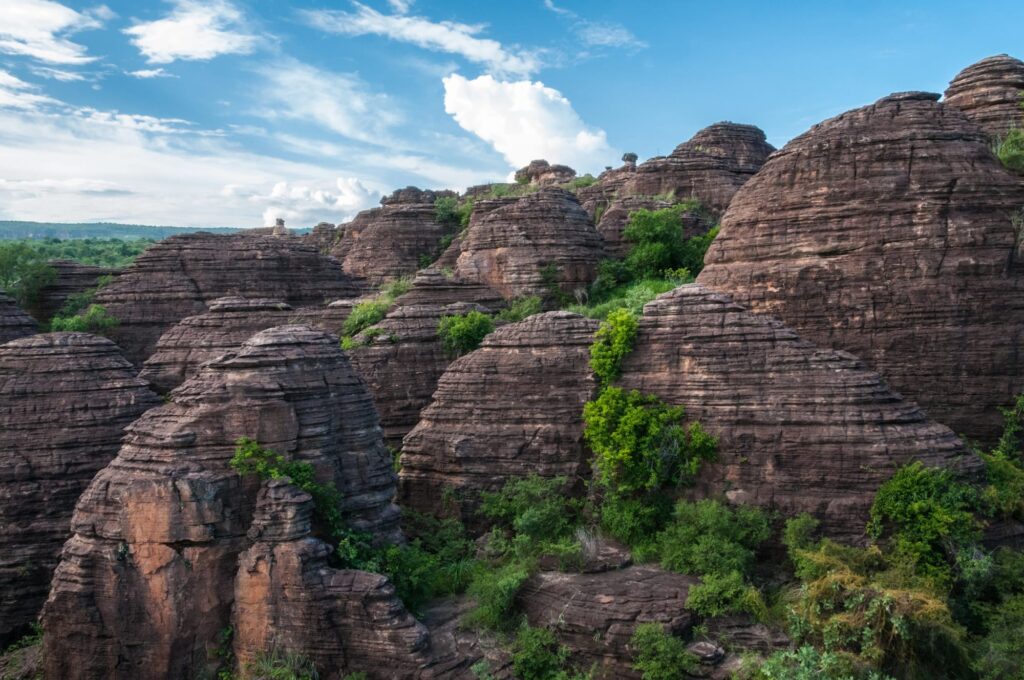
(391, 241)
(180, 276)
(228, 323)
(542, 173)
(147, 581)
(510, 409)
(989, 93)
(402, 363)
(526, 245)
(72, 278)
(800, 428)
(65, 399)
(889, 231)
(14, 323)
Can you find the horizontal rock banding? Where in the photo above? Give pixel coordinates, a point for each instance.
(14, 322)
(71, 278)
(990, 94)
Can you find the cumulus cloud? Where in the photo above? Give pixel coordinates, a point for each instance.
(195, 30)
(308, 204)
(151, 73)
(524, 121)
(339, 102)
(444, 36)
(39, 29)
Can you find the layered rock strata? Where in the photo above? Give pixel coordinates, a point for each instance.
(990, 93)
(542, 173)
(14, 323)
(72, 278)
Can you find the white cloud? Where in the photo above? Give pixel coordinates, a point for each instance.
(308, 204)
(195, 30)
(525, 121)
(445, 36)
(339, 102)
(151, 73)
(56, 74)
(37, 29)
(401, 6)
(598, 33)
(15, 93)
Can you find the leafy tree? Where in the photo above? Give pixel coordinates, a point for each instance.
(660, 656)
(709, 537)
(463, 333)
(23, 272)
(94, 320)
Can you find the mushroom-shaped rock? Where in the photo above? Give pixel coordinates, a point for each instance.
(510, 409)
(526, 246)
(71, 278)
(65, 399)
(891, 232)
(14, 322)
(990, 93)
(147, 581)
(800, 429)
(180, 276)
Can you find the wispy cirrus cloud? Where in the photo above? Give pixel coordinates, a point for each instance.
(598, 33)
(40, 28)
(15, 93)
(439, 36)
(195, 30)
(151, 73)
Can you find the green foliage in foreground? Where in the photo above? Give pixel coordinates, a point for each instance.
(807, 663)
(660, 656)
(463, 333)
(630, 296)
(279, 665)
(612, 342)
(23, 272)
(1001, 652)
(1010, 150)
(1004, 493)
(659, 245)
(95, 319)
(536, 655)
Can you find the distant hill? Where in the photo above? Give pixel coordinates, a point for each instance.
(10, 229)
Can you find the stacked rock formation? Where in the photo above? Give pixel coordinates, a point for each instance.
(541, 173)
(181, 275)
(402, 359)
(800, 429)
(392, 240)
(228, 323)
(470, 439)
(893, 233)
(148, 579)
(65, 399)
(14, 323)
(990, 93)
(528, 245)
(72, 278)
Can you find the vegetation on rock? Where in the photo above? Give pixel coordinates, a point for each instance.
(657, 655)
(463, 333)
(23, 271)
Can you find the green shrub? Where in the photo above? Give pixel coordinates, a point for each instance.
(536, 655)
(612, 342)
(463, 333)
(94, 320)
(660, 656)
(708, 537)
(280, 665)
(535, 507)
(1004, 493)
(520, 308)
(24, 272)
(629, 296)
(100, 252)
(725, 593)
(659, 245)
(580, 182)
(808, 663)
(1010, 150)
(364, 315)
(1001, 652)
(495, 591)
(636, 521)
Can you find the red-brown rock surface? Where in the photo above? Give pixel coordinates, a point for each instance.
(14, 322)
(181, 275)
(990, 93)
(509, 247)
(146, 583)
(65, 399)
(889, 232)
(800, 428)
(510, 409)
(72, 278)
(542, 173)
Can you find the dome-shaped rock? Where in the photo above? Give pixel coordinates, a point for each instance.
(990, 93)
(71, 278)
(14, 322)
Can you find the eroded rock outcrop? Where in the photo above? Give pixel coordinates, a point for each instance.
(65, 399)
(541, 173)
(147, 581)
(800, 428)
(889, 232)
(990, 93)
(71, 278)
(14, 322)
(510, 409)
(526, 246)
(181, 275)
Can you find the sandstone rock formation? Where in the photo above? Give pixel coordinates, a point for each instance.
(402, 358)
(14, 323)
(179, 276)
(541, 173)
(990, 93)
(72, 278)
(525, 246)
(891, 232)
(147, 581)
(65, 399)
(510, 409)
(393, 240)
(614, 220)
(800, 429)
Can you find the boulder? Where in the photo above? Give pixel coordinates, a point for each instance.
(990, 93)
(14, 323)
(72, 278)
(891, 232)
(800, 428)
(181, 275)
(146, 584)
(529, 245)
(510, 409)
(541, 173)
(65, 399)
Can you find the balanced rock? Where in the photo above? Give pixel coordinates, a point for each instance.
(990, 93)
(14, 323)
(510, 409)
(528, 245)
(65, 399)
(800, 428)
(542, 173)
(72, 278)
(181, 275)
(891, 232)
(147, 581)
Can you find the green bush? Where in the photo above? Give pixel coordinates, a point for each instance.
(94, 320)
(725, 593)
(659, 245)
(535, 508)
(536, 655)
(629, 296)
(636, 521)
(364, 315)
(660, 656)
(580, 182)
(612, 342)
(24, 272)
(708, 537)
(1010, 150)
(463, 333)
(100, 252)
(1004, 493)
(494, 592)
(808, 663)
(520, 308)
(1001, 652)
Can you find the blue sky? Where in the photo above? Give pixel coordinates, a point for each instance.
(234, 112)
